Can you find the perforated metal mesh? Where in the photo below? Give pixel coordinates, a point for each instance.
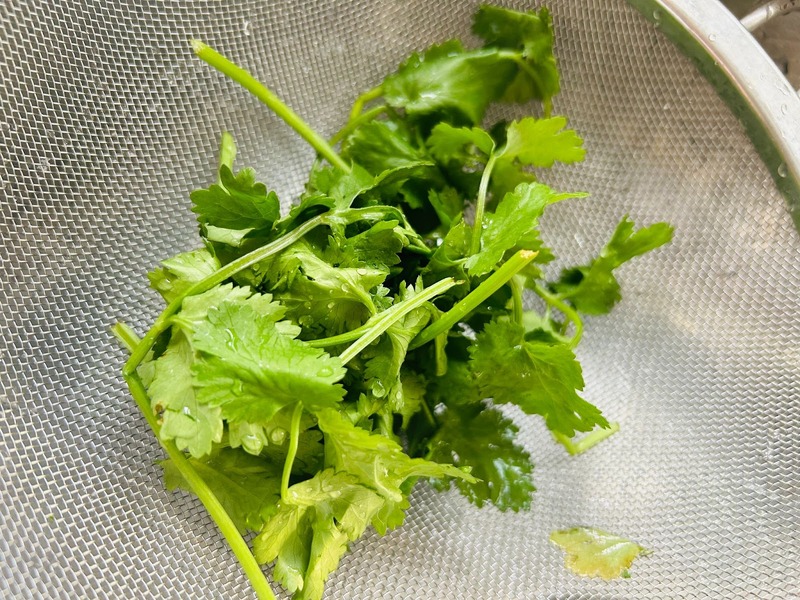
(106, 123)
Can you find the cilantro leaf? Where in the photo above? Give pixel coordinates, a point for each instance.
(450, 80)
(248, 487)
(448, 259)
(448, 205)
(593, 289)
(466, 145)
(377, 247)
(483, 440)
(192, 425)
(323, 299)
(456, 387)
(333, 183)
(385, 360)
(541, 378)
(542, 142)
(177, 274)
(195, 426)
(380, 146)
(596, 553)
(517, 214)
(308, 533)
(251, 369)
(532, 142)
(531, 35)
(377, 461)
(237, 202)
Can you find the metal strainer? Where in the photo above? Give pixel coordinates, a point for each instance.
(107, 121)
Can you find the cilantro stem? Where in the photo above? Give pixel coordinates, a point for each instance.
(388, 317)
(356, 122)
(248, 260)
(428, 413)
(227, 152)
(265, 95)
(565, 308)
(291, 452)
(215, 510)
(518, 308)
(471, 301)
(354, 334)
(480, 205)
(125, 335)
(342, 338)
(367, 96)
(588, 441)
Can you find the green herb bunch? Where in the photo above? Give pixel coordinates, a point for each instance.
(311, 366)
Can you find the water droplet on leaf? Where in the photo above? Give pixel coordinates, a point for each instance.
(277, 435)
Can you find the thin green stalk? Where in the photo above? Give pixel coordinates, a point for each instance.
(260, 91)
(386, 319)
(480, 205)
(125, 335)
(294, 435)
(471, 301)
(352, 124)
(367, 96)
(565, 308)
(342, 338)
(248, 260)
(428, 413)
(517, 304)
(352, 335)
(215, 510)
(227, 152)
(588, 441)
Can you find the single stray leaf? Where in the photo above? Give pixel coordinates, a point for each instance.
(595, 553)
(593, 289)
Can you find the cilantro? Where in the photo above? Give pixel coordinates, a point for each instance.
(247, 486)
(464, 145)
(310, 367)
(541, 378)
(384, 360)
(516, 216)
(596, 553)
(251, 369)
(376, 461)
(482, 440)
(542, 142)
(309, 531)
(237, 202)
(322, 298)
(593, 288)
(450, 80)
(531, 34)
(177, 274)
(380, 147)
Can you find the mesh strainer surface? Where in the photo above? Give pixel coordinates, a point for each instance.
(107, 121)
